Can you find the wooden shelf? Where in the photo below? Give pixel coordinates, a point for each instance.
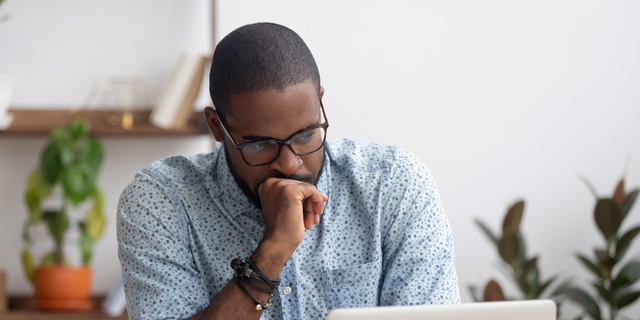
(35, 122)
(22, 308)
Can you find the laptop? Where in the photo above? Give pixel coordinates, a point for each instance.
(503, 310)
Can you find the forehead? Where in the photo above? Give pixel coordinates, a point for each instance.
(274, 113)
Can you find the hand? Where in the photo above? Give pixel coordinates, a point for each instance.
(284, 213)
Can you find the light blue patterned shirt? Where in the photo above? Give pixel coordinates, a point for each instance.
(384, 238)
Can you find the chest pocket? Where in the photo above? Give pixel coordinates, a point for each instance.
(352, 287)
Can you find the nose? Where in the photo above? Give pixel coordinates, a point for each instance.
(287, 163)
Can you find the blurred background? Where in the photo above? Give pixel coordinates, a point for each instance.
(503, 100)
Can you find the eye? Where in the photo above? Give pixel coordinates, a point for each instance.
(259, 146)
(305, 136)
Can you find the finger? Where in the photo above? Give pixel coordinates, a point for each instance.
(317, 219)
(309, 218)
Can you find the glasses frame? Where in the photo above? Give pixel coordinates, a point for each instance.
(286, 142)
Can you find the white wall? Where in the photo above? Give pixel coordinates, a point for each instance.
(502, 100)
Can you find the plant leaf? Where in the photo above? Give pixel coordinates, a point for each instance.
(608, 219)
(54, 157)
(33, 203)
(625, 241)
(587, 263)
(628, 203)
(487, 231)
(473, 291)
(629, 274)
(57, 223)
(585, 301)
(493, 292)
(543, 287)
(589, 185)
(27, 265)
(91, 154)
(560, 289)
(79, 127)
(618, 194)
(602, 291)
(628, 299)
(79, 182)
(37, 184)
(528, 266)
(85, 243)
(512, 220)
(509, 247)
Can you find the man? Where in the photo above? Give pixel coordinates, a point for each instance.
(309, 225)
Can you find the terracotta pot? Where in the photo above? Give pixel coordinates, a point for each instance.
(63, 288)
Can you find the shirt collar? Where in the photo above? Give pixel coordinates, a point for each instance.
(225, 188)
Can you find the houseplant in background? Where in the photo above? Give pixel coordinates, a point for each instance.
(68, 168)
(613, 279)
(519, 267)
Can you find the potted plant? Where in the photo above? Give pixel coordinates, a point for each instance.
(521, 269)
(68, 168)
(614, 276)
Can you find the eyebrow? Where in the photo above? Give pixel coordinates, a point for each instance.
(260, 138)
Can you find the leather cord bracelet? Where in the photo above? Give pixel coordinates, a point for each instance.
(244, 270)
(259, 304)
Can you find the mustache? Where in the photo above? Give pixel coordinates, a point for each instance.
(307, 178)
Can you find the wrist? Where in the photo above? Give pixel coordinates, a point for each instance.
(271, 257)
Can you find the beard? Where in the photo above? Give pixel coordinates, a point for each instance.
(254, 198)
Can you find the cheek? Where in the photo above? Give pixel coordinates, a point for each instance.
(313, 162)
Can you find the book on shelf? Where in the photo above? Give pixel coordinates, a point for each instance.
(175, 102)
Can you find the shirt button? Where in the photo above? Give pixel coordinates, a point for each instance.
(286, 290)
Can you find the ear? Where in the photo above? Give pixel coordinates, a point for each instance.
(321, 92)
(214, 123)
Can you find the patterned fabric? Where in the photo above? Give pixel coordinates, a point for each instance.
(384, 238)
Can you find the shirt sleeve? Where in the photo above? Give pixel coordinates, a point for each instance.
(161, 280)
(418, 250)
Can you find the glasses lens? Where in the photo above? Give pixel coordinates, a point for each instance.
(260, 152)
(308, 141)
(303, 143)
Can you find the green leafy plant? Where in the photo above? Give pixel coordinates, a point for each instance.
(613, 281)
(71, 161)
(522, 269)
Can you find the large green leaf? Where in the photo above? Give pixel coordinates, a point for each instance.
(57, 223)
(625, 241)
(55, 157)
(560, 289)
(628, 275)
(628, 299)
(618, 194)
(590, 265)
(602, 291)
(79, 182)
(509, 247)
(529, 265)
(27, 265)
(79, 127)
(487, 231)
(91, 154)
(628, 202)
(85, 243)
(493, 292)
(512, 220)
(585, 301)
(539, 290)
(37, 184)
(33, 203)
(608, 218)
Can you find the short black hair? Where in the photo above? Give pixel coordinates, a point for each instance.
(259, 56)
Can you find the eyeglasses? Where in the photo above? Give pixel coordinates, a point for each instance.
(302, 143)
